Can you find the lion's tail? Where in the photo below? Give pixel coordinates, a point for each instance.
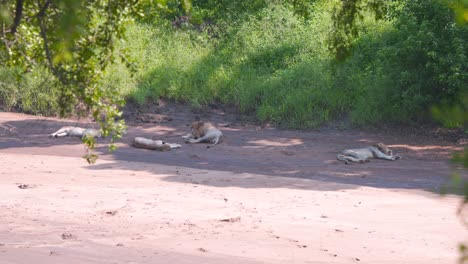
(215, 141)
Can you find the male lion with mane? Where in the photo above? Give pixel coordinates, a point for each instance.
(203, 132)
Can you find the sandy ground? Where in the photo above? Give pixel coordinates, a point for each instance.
(262, 196)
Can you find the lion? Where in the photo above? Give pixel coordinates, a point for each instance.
(80, 132)
(378, 151)
(203, 132)
(145, 143)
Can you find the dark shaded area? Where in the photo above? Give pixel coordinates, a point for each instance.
(249, 156)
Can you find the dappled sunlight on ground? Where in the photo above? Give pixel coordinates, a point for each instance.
(161, 129)
(347, 174)
(418, 148)
(277, 142)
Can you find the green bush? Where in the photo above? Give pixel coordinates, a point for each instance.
(419, 62)
(35, 92)
(274, 64)
(271, 60)
(9, 92)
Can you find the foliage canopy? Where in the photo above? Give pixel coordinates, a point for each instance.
(75, 41)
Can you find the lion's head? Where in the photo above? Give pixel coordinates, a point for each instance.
(382, 147)
(197, 129)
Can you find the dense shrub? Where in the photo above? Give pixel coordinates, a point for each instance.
(9, 92)
(274, 64)
(35, 92)
(419, 62)
(271, 59)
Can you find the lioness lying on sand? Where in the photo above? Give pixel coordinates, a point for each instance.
(145, 143)
(203, 132)
(378, 151)
(71, 131)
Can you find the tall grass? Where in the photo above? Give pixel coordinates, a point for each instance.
(268, 61)
(35, 92)
(274, 64)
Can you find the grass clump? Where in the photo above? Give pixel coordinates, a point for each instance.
(35, 92)
(274, 64)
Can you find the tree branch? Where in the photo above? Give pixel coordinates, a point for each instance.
(18, 15)
(43, 8)
(43, 33)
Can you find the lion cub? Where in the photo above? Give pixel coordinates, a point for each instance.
(378, 151)
(203, 132)
(76, 132)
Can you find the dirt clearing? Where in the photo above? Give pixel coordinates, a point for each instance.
(262, 196)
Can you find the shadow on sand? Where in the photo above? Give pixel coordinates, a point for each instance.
(249, 157)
